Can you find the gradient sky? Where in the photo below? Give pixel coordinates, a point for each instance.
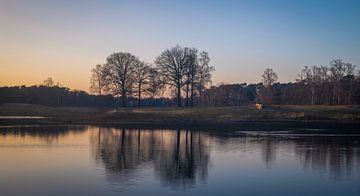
(65, 39)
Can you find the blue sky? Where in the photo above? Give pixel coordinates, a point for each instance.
(65, 39)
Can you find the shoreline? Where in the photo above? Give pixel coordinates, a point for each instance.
(343, 117)
(268, 125)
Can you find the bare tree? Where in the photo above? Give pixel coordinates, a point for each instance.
(172, 66)
(190, 76)
(327, 84)
(141, 79)
(269, 77)
(266, 92)
(204, 75)
(350, 69)
(48, 82)
(96, 79)
(349, 79)
(337, 70)
(119, 73)
(155, 84)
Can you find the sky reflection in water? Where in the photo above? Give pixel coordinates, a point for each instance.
(99, 160)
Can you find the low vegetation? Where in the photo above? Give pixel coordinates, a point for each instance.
(204, 115)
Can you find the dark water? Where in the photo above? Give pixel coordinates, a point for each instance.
(112, 161)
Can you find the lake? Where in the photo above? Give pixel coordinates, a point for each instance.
(91, 160)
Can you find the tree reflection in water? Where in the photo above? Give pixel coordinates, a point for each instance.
(180, 158)
(336, 154)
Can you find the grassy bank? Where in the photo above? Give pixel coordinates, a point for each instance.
(204, 115)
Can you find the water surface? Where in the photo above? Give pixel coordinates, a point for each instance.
(89, 160)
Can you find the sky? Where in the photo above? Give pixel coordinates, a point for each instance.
(66, 39)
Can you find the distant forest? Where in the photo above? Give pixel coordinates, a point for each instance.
(181, 76)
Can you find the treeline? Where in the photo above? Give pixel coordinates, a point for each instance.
(181, 77)
(49, 94)
(53, 96)
(185, 75)
(57, 96)
(334, 84)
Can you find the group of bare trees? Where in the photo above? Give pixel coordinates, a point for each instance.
(185, 73)
(333, 84)
(124, 75)
(180, 68)
(124, 79)
(185, 68)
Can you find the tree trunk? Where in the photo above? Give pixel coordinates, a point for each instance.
(201, 100)
(123, 101)
(99, 87)
(187, 94)
(192, 95)
(139, 95)
(334, 95)
(123, 97)
(178, 95)
(312, 95)
(350, 92)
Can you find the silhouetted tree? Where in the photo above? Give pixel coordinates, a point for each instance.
(155, 84)
(96, 79)
(141, 79)
(119, 72)
(229, 95)
(332, 84)
(266, 94)
(337, 71)
(349, 80)
(48, 82)
(172, 66)
(52, 96)
(269, 77)
(204, 75)
(190, 76)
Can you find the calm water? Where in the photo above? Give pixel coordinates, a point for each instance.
(112, 161)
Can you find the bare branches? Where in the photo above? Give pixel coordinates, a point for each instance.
(96, 79)
(179, 67)
(125, 75)
(172, 65)
(141, 79)
(48, 82)
(119, 74)
(269, 77)
(331, 84)
(205, 71)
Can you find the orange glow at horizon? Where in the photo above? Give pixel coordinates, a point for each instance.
(34, 67)
(64, 40)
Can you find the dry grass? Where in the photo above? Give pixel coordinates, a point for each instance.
(71, 114)
(183, 115)
(338, 112)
